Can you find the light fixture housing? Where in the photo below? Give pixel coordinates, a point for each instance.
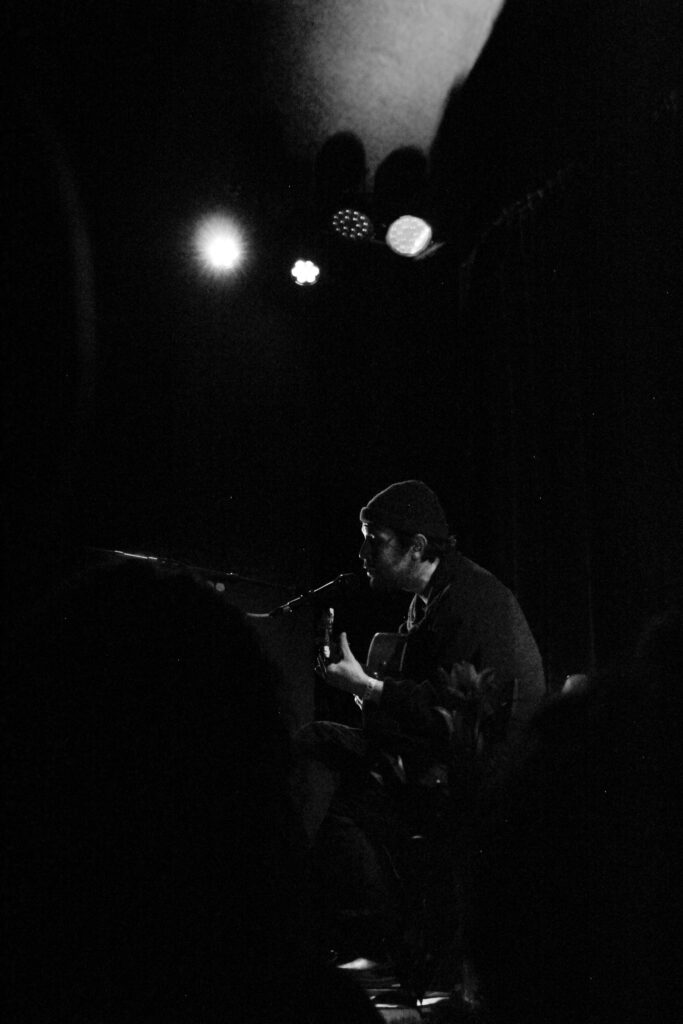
(409, 236)
(352, 224)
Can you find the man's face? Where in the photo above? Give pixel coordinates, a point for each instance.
(388, 566)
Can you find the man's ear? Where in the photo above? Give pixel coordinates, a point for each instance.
(418, 546)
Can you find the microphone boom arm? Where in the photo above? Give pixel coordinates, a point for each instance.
(344, 582)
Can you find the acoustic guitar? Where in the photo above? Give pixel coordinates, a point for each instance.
(386, 655)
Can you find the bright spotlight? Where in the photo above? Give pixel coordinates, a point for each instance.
(218, 244)
(409, 236)
(305, 272)
(352, 224)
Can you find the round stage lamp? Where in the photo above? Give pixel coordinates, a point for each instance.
(352, 224)
(409, 236)
(305, 272)
(218, 244)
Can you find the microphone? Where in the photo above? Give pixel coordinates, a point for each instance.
(345, 584)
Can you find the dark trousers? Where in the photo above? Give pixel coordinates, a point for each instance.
(329, 757)
(350, 816)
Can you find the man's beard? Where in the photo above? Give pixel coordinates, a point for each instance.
(380, 582)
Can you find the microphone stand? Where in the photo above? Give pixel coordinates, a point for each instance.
(316, 596)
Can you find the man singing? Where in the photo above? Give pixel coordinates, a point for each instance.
(467, 655)
(460, 613)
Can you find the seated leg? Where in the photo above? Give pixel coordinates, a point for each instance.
(325, 755)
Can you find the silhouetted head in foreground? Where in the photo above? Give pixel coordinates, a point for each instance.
(151, 874)
(573, 871)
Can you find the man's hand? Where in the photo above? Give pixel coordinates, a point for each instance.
(348, 674)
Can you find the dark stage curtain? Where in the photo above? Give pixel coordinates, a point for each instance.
(570, 318)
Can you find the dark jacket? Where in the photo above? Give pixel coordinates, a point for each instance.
(470, 616)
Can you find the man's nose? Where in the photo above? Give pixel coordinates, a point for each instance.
(364, 549)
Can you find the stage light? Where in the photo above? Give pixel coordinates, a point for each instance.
(352, 224)
(409, 236)
(305, 272)
(218, 244)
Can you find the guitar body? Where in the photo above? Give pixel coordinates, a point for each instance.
(386, 655)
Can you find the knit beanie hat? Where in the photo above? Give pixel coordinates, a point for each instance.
(409, 506)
